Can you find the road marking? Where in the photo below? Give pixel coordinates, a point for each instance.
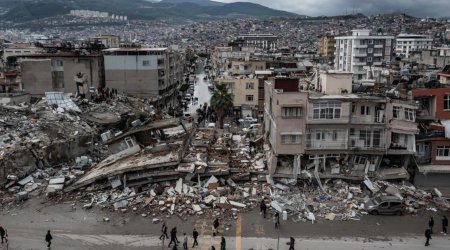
(238, 232)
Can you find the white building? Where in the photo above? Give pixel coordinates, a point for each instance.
(362, 49)
(411, 42)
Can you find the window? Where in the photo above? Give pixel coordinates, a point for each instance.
(290, 112)
(447, 102)
(335, 135)
(369, 59)
(365, 110)
(290, 139)
(129, 142)
(160, 62)
(443, 153)
(396, 112)
(326, 111)
(58, 79)
(384, 205)
(370, 41)
(249, 98)
(369, 50)
(249, 85)
(409, 114)
(146, 63)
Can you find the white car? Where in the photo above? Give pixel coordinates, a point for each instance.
(211, 125)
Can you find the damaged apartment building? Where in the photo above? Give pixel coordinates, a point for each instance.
(323, 128)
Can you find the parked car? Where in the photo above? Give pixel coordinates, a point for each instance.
(385, 205)
(248, 119)
(211, 125)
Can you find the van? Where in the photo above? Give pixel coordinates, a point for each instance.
(385, 205)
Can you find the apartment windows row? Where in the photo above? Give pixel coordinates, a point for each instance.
(401, 113)
(327, 110)
(443, 153)
(291, 112)
(291, 139)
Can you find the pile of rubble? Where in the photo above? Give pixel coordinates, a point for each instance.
(343, 201)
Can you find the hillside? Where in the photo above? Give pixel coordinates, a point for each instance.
(28, 10)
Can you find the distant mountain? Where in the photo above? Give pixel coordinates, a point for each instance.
(28, 10)
(199, 2)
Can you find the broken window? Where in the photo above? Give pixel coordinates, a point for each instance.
(58, 79)
(129, 142)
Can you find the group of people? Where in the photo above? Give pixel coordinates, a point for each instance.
(195, 234)
(4, 236)
(429, 230)
(276, 216)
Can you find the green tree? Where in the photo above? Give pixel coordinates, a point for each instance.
(221, 102)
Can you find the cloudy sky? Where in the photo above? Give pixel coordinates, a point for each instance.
(419, 8)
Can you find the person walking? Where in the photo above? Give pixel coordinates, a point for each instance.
(444, 225)
(291, 243)
(427, 236)
(48, 239)
(173, 236)
(195, 236)
(223, 244)
(3, 234)
(276, 220)
(215, 226)
(163, 232)
(185, 241)
(431, 224)
(263, 208)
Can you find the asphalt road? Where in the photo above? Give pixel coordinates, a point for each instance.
(75, 228)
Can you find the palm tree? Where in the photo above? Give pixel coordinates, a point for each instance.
(221, 102)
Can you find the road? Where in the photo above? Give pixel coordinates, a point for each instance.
(75, 228)
(201, 91)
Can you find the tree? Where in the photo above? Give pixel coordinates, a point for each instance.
(221, 102)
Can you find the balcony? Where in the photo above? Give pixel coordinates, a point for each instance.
(360, 54)
(339, 144)
(378, 55)
(358, 143)
(377, 63)
(360, 63)
(378, 46)
(360, 46)
(367, 119)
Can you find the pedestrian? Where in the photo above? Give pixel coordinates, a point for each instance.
(163, 232)
(195, 236)
(173, 236)
(291, 243)
(431, 224)
(212, 248)
(48, 238)
(427, 236)
(263, 208)
(444, 225)
(276, 220)
(3, 234)
(185, 241)
(215, 226)
(174, 247)
(222, 244)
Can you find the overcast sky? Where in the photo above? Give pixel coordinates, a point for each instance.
(419, 8)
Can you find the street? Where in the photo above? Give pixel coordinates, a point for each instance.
(75, 228)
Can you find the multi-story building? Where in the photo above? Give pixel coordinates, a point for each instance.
(50, 72)
(327, 46)
(154, 73)
(342, 134)
(405, 43)
(109, 41)
(433, 142)
(240, 67)
(261, 41)
(222, 57)
(362, 49)
(245, 91)
(19, 49)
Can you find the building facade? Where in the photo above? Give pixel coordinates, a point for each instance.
(245, 92)
(261, 41)
(405, 43)
(327, 46)
(154, 73)
(56, 72)
(360, 50)
(340, 134)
